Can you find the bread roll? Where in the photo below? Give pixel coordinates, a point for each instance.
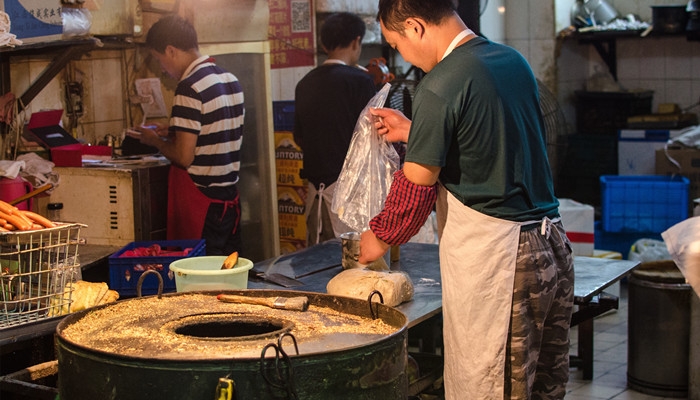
(395, 286)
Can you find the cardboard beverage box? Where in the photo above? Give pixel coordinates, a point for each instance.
(578, 221)
(291, 203)
(34, 20)
(688, 160)
(289, 160)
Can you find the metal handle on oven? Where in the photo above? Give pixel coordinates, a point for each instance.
(143, 276)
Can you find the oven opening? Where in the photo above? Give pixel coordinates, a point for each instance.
(229, 327)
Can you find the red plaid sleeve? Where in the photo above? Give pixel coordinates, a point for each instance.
(406, 209)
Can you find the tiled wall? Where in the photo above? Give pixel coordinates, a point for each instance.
(668, 65)
(529, 28)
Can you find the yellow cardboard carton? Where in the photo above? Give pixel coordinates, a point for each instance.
(289, 160)
(290, 207)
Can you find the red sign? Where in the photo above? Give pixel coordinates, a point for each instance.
(291, 33)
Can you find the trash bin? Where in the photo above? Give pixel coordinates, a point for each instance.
(658, 330)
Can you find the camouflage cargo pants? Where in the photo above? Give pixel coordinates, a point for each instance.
(543, 296)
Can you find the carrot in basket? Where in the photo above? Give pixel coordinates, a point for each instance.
(38, 219)
(17, 221)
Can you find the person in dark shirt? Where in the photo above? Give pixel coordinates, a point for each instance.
(328, 101)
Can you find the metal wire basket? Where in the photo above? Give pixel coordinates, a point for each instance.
(37, 267)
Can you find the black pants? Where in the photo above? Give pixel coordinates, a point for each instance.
(221, 229)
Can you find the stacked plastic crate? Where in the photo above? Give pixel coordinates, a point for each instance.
(291, 189)
(637, 207)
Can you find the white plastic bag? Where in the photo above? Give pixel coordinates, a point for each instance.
(368, 170)
(683, 242)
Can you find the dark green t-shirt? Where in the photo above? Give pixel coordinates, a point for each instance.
(476, 115)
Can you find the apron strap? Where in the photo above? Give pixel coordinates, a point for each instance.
(319, 213)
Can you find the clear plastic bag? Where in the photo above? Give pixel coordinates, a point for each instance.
(76, 21)
(367, 173)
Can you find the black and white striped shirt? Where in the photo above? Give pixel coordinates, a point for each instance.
(209, 103)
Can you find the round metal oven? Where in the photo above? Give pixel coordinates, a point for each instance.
(185, 345)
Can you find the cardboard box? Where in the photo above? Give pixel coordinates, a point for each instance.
(578, 221)
(688, 160)
(289, 160)
(34, 20)
(636, 149)
(291, 203)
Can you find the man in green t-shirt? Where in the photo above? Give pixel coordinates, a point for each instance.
(475, 147)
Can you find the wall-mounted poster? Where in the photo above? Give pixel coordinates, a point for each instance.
(291, 33)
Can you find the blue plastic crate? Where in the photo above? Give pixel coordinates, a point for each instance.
(283, 115)
(124, 272)
(644, 203)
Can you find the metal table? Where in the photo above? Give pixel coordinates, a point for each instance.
(421, 263)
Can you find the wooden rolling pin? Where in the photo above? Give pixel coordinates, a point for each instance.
(283, 303)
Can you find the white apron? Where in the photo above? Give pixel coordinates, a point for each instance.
(478, 255)
(325, 195)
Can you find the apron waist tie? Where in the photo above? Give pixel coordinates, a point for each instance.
(544, 225)
(546, 228)
(319, 218)
(227, 204)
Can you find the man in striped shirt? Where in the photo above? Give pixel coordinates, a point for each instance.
(202, 142)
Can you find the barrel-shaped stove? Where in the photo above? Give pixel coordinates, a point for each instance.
(189, 345)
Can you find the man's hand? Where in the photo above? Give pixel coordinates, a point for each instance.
(161, 129)
(178, 148)
(371, 247)
(391, 124)
(146, 136)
